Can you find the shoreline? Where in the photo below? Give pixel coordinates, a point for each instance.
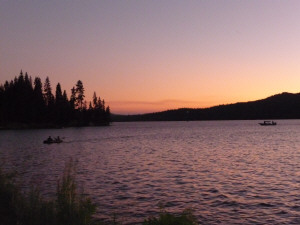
(24, 126)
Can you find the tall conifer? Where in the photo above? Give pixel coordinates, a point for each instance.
(49, 98)
(79, 95)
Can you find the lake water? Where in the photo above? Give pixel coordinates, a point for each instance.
(228, 172)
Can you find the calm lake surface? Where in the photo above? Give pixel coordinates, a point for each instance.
(228, 172)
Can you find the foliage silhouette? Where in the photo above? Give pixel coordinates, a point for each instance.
(280, 106)
(69, 207)
(27, 105)
(165, 218)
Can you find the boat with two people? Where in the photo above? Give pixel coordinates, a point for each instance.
(50, 140)
(268, 123)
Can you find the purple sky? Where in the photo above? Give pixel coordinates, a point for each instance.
(144, 56)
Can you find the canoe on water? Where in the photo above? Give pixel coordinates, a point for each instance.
(53, 141)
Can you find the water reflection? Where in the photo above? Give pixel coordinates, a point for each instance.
(229, 172)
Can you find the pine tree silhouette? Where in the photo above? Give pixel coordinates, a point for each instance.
(24, 103)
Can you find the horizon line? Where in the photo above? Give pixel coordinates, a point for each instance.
(178, 101)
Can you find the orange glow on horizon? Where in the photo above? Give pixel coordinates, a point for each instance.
(153, 56)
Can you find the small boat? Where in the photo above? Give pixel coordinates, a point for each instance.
(268, 123)
(53, 141)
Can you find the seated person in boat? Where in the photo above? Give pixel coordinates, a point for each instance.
(57, 139)
(49, 139)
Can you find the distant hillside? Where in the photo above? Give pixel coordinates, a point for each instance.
(280, 106)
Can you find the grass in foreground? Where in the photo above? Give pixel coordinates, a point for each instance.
(165, 218)
(68, 208)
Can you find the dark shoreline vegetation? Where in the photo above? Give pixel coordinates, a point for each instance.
(25, 103)
(280, 106)
(69, 207)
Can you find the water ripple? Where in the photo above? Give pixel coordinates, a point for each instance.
(228, 172)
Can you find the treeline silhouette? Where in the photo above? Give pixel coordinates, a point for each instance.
(280, 106)
(27, 103)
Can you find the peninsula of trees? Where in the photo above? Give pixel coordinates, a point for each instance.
(27, 103)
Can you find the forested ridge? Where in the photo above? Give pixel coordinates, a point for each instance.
(30, 103)
(280, 106)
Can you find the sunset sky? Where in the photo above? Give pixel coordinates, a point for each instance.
(146, 56)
